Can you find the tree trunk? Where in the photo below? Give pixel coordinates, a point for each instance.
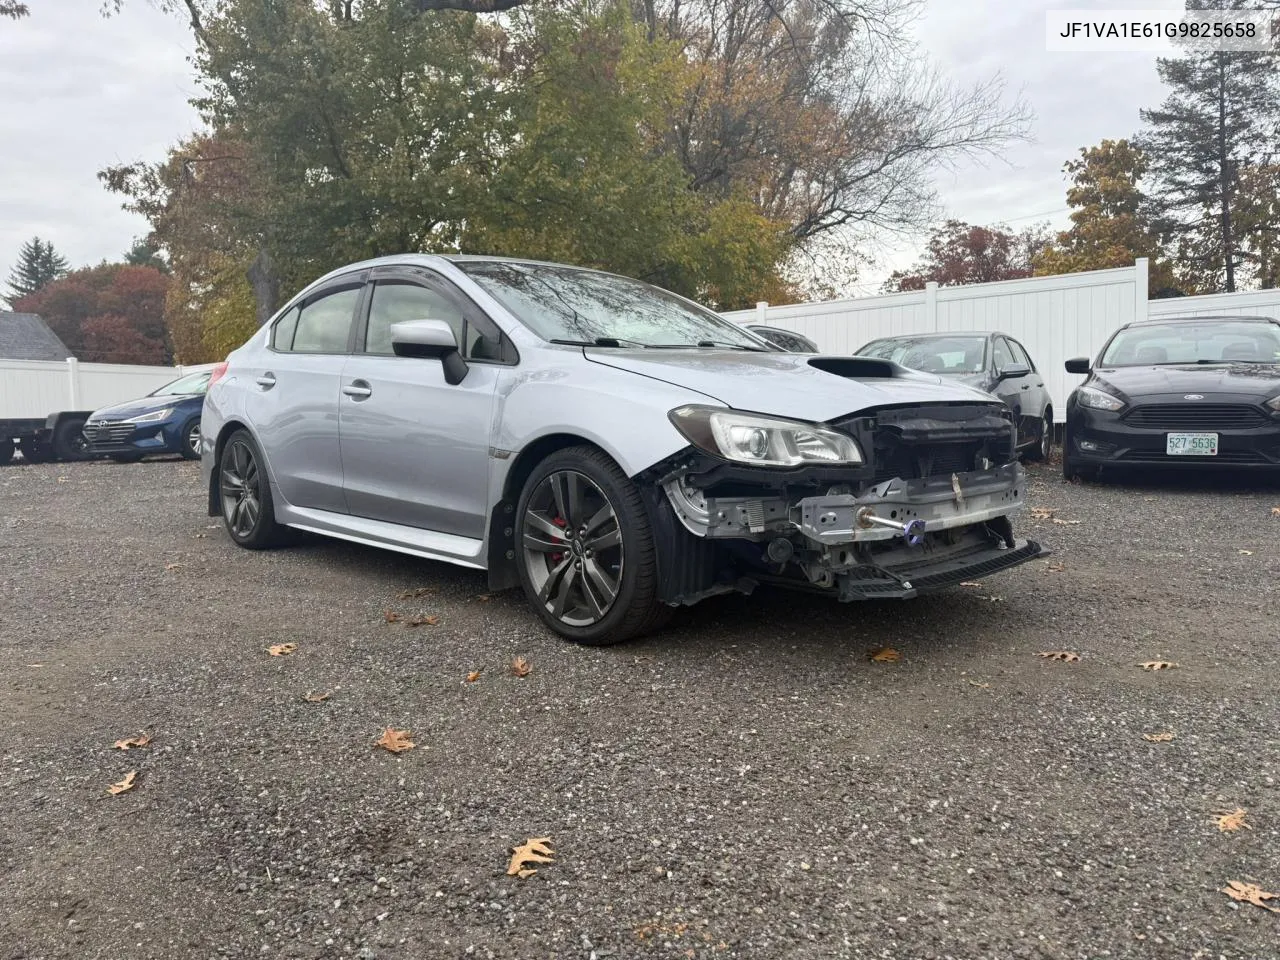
(1224, 176)
(266, 285)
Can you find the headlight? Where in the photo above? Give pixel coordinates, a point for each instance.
(1274, 404)
(1098, 399)
(155, 416)
(763, 441)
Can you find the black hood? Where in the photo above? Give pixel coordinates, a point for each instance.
(1240, 382)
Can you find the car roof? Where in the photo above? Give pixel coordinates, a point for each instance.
(945, 333)
(1153, 321)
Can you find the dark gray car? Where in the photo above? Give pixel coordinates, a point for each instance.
(612, 448)
(994, 362)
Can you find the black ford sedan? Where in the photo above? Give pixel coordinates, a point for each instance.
(1190, 391)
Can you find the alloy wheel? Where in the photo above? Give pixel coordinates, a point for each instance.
(193, 439)
(573, 548)
(1046, 437)
(241, 489)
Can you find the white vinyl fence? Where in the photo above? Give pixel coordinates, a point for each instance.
(1055, 318)
(37, 388)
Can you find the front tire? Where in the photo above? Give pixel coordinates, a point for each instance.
(6, 450)
(35, 451)
(189, 444)
(1072, 470)
(69, 441)
(585, 550)
(245, 493)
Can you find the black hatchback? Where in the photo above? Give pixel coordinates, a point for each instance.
(1187, 391)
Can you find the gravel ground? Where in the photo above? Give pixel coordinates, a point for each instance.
(747, 784)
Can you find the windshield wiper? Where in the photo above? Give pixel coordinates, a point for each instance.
(707, 343)
(599, 342)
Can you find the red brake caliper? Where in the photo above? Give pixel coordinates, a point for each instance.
(559, 522)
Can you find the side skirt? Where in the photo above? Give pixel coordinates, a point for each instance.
(415, 541)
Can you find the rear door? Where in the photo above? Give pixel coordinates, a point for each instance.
(415, 449)
(294, 394)
(1035, 396)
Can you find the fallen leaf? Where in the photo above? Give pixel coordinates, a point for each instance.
(994, 599)
(282, 649)
(1229, 821)
(127, 783)
(1157, 665)
(414, 593)
(396, 741)
(1246, 553)
(419, 621)
(534, 850)
(62, 479)
(483, 597)
(1066, 656)
(474, 675)
(1041, 513)
(199, 536)
(1275, 511)
(970, 583)
(1250, 893)
(1163, 737)
(1066, 523)
(141, 740)
(1055, 567)
(521, 667)
(173, 566)
(313, 697)
(391, 616)
(885, 655)
(980, 684)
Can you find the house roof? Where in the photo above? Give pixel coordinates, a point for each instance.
(24, 336)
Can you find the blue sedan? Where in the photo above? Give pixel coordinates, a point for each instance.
(165, 421)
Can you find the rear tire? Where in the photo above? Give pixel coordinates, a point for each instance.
(69, 442)
(1044, 440)
(247, 511)
(190, 442)
(585, 551)
(6, 450)
(35, 451)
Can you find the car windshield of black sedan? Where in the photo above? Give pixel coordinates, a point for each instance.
(191, 385)
(587, 307)
(949, 356)
(1209, 342)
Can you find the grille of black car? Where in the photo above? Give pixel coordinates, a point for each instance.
(108, 432)
(1195, 416)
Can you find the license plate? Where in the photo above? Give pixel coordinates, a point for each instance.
(1191, 444)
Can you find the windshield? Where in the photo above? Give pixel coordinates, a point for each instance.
(948, 356)
(190, 385)
(583, 306)
(1214, 341)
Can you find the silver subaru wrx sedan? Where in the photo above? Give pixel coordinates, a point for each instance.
(612, 448)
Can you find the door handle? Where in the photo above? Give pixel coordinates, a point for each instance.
(357, 390)
(266, 381)
(1026, 386)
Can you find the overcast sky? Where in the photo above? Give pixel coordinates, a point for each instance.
(80, 92)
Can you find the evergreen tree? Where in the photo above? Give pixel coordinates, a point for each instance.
(1222, 115)
(38, 266)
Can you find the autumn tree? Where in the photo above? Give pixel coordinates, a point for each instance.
(13, 10)
(39, 264)
(1221, 117)
(111, 313)
(1111, 218)
(959, 252)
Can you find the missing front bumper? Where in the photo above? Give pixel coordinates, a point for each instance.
(871, 582)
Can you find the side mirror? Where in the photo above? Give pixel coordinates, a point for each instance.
(430, 338)
(1011, 370)
(1078, 365)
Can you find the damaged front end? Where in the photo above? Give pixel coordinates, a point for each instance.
(928, 505)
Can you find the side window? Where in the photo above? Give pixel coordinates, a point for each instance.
(1002, 356)
(325, 324)
(282, 333)
(397, 300)
(1020, 355)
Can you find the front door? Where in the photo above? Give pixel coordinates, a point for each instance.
(415, 449)
(1010, 389)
